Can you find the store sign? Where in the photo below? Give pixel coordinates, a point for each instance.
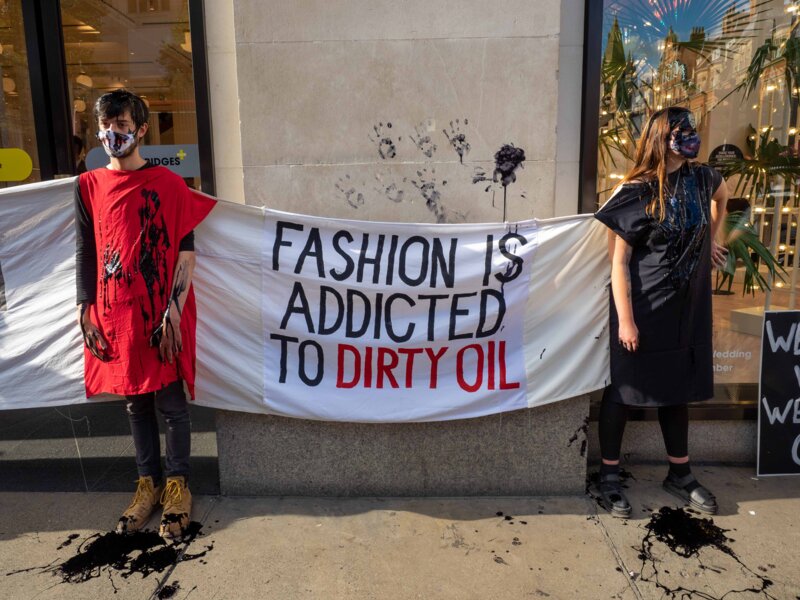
(779, 395)
(15, 164)
(724, 154)
(184, 160)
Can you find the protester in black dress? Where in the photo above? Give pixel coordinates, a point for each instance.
(663, 222)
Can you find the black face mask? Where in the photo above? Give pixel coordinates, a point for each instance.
(684, 138)
(685, 142)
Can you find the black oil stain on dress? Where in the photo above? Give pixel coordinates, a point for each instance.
(383, 141)
(112, 272)
(142, 552)
(457, 139)
(153, 245)
(686, 535)
(426, 184)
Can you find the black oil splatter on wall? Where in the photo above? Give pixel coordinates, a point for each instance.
(582, 430)
(507, 160)
(422, 139)
(346, 188)
(457, 139)
(426, 184)
(383, 141)
(153, 245)
(389, 188)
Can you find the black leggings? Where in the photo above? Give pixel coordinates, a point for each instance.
(674, 421)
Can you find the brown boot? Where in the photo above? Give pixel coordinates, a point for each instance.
(177, 501)
(144, 502)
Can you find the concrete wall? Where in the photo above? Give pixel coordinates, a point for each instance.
(349, 109)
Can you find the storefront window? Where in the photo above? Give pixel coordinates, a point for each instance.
(144, 46)
(736, 65)
(19, 161)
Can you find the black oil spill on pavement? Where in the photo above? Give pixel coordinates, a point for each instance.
(384, 143)
(457, 139)
(583, 429)
(169, 591)
(426, 184)
(69, 540)
(142, 552)
(686, 535)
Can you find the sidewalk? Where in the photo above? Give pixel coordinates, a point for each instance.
(431, 548)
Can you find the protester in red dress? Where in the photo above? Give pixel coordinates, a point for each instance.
(135, 259)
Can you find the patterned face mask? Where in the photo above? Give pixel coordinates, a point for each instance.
(685, 142)
(118, 145)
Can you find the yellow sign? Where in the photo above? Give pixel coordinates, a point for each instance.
(15, 164)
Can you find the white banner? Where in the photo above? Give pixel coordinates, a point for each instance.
(333, 319)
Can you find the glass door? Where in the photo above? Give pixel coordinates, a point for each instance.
(19, 160)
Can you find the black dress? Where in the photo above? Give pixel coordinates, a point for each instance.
(670, 270)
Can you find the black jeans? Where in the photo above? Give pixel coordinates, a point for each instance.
(171, 403)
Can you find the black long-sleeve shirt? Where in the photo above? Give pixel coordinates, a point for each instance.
(86, 249)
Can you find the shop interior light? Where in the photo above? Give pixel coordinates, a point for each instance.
(9, 85)
(792, 130)
(759, 209)
(782, 247)
(785, 209)
(79, 105)
(84, 80)
(764, 129)
(771, 88)
(187, 41)
(755, 106)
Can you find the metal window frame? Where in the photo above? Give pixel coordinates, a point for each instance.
(44, 43)
(47, 70)
(205, 141)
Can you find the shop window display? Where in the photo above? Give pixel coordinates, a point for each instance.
(736, 66)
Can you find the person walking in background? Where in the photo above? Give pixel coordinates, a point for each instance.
(663, 222)
(134, 260)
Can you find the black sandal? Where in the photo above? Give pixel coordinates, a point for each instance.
(689, 490)
(613, 498)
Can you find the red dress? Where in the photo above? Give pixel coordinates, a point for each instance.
(139, 218)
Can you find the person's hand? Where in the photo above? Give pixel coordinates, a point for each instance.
(719, 255)
(92, 337)
(171, 343)
(629, 336)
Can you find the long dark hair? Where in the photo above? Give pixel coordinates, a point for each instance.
(650, 159)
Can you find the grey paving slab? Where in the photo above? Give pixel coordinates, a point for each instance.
(406, 548)
(354, 548)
